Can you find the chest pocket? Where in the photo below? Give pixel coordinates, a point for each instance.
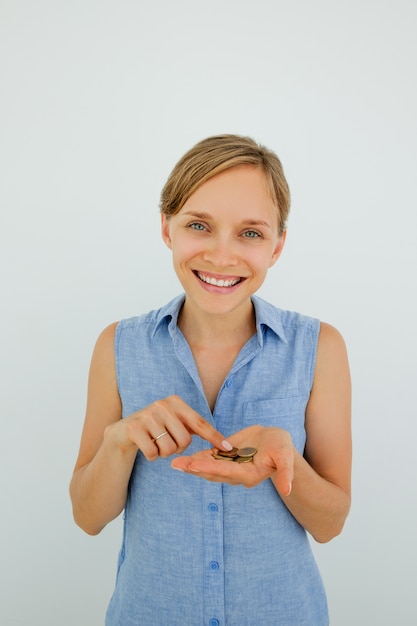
(287, 412)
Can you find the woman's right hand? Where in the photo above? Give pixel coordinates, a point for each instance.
(109, 444)
(163, 428)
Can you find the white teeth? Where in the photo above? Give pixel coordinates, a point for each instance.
(218, 283)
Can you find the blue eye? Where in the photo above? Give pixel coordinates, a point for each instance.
(251, 234)
(197, 226)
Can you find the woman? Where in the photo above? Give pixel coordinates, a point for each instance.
(218, 368)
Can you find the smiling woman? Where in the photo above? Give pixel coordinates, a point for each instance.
(227, 230)
(218, 368)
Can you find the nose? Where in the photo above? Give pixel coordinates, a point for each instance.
(220, 252)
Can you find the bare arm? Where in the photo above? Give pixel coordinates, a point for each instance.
(99, 483)
(316, 487)
(321, 494)
(109, 444)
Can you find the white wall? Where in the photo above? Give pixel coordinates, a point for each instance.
(98, 100)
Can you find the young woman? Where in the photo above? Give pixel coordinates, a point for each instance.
(218, 543)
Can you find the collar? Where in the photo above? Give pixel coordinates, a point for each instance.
(266, 315)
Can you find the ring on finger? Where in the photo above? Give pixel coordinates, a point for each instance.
(160, 435)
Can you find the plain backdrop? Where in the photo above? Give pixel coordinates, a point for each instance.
(98, 101)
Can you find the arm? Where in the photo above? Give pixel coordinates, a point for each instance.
(109, 444)
(320, 497)
(316, 487)
(101, 475)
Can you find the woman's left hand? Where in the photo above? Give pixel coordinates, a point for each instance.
(274, 457)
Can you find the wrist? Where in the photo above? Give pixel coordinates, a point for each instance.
(115, 436)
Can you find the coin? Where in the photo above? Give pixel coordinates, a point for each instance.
(246, 452)
(238, 455)
(227, 454)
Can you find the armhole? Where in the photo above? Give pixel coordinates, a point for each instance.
(314, 335)
(117, 339)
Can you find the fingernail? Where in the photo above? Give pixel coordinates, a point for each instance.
(177, 468)
(226, 445)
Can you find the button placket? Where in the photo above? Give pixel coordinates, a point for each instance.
(214, 601)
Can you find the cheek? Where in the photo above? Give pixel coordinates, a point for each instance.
(261, 260)
(184, 248)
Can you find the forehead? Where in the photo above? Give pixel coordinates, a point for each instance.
(244, 185)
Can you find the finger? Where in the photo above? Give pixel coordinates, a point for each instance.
(153, 441)
(163, 434)
(177, 439)
(165, 444)
(284, 473)
(283, 483)
(157, 430)
(278, 448)
(197, 425)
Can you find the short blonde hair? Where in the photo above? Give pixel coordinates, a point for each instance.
(217, 154)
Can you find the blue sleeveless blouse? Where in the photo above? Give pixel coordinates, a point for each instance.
(196, 553)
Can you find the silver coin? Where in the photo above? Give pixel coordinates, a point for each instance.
(243, 459)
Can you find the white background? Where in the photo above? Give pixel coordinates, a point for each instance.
(98, 101)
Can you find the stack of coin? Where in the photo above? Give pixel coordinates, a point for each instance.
(239, 455)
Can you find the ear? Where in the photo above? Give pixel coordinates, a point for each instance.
(278, 248)
(166, 236)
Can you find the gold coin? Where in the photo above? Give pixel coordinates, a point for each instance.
(247, 452)
(223, 458)
(243, 459)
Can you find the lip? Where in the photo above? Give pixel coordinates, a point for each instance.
(209, 280)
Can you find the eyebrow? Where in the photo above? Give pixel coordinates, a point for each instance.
(206, 216)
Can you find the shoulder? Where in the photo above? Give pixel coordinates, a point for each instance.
(103, 354)
(294, 321)
(152, 319)
(332, 365)
(330, 340)
(109, 339)
(132, 323)
(291, 327)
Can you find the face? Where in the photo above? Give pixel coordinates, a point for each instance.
(224, 240)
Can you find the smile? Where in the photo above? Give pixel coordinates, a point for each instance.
(210, 280)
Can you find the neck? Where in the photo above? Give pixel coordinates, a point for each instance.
(205, 329)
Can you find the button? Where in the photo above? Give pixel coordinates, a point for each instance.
(214, 622)
(214, 565)
(229, 382)
(213, 507)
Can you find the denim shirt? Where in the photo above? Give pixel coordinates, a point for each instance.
(197, 553)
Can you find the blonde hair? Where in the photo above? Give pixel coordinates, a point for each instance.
(217, 154)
